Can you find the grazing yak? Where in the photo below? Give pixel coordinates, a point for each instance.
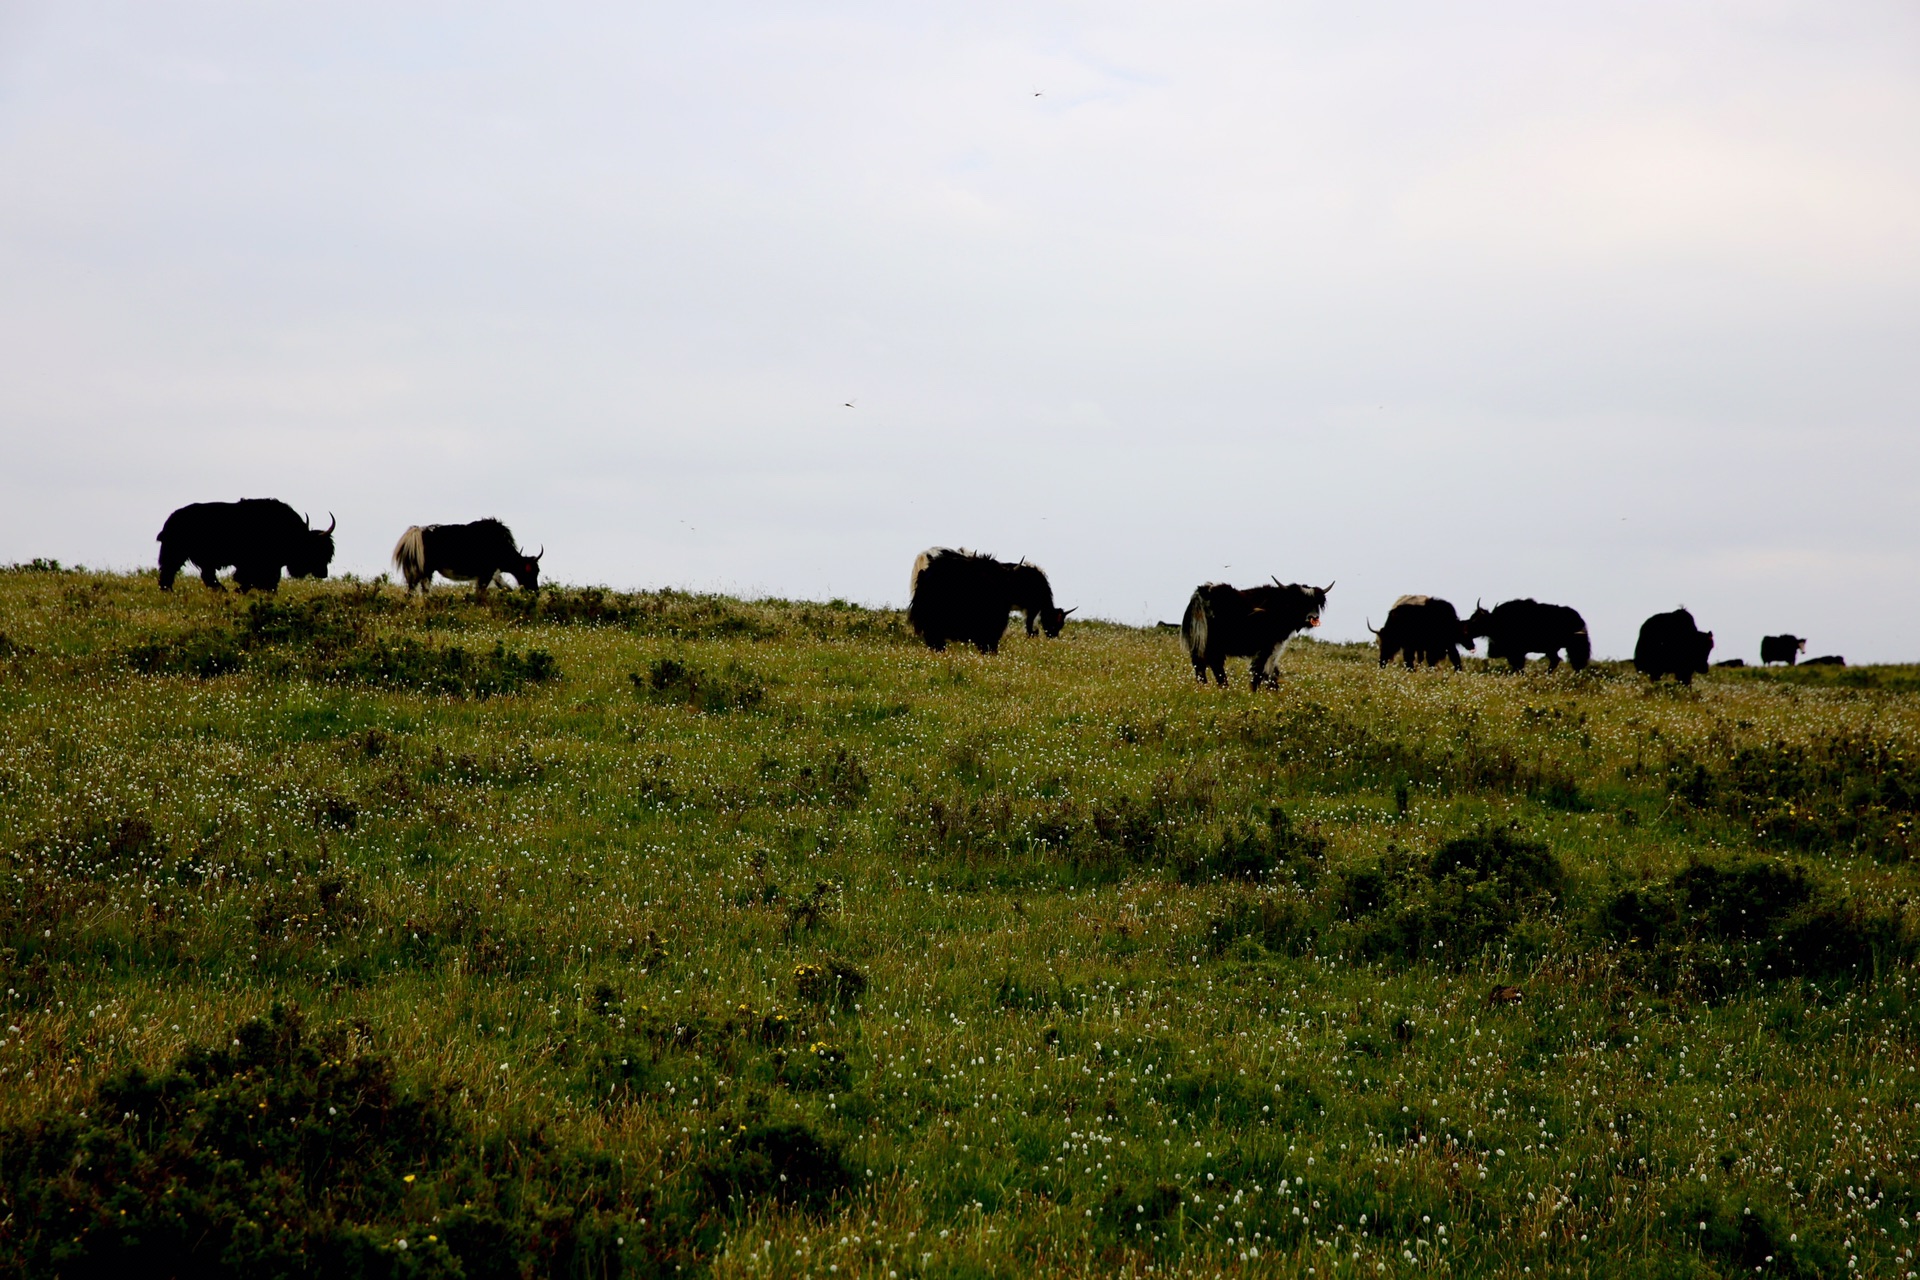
(1422, 628)
(966, 596)
(1521, 627)
(1224, 622)
(1785, 649)
(1671, 644)
(256, 537)
(1825, 660)
(478, 553)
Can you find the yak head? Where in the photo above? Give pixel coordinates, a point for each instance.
(310, 555)
(526, 569)
(1052, 620)
(1479, 624)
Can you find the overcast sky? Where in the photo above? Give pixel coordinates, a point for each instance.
(1612, 305)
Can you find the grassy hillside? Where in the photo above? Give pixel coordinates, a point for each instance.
(665, 934)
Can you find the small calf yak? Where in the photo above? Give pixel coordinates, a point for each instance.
(1521, 627)
(1671, 644)
(478, 553)
(966, 596)
(1422, 629)
(256, 537)
(1224, 622)
(1785, 649)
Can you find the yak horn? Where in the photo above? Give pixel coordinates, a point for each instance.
(1065, 612)
(543, 551)
(1276, 581)
(1371, 627)
(1326, 588)
(332, 521)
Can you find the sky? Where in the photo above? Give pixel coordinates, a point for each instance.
(1616, 306)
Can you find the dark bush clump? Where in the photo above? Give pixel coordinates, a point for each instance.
(1257, 849)
(1723, 926)
(733, 688)
(290, 1154)
(786, 1163)
(831, 983)
(1471, 894)
(451, 670)
(1751, 1238)
(204, 652)
(1847, 791)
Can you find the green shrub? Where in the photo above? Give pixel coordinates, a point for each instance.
(450, 669)
(787, 1164)
(1845, 791)
(1725, 925)
(289, 1154)
(1471, 894)
(204, 652)
(669, 680)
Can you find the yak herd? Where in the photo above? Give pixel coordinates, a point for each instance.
(965, 597)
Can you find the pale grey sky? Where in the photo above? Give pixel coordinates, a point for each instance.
(1613, 305)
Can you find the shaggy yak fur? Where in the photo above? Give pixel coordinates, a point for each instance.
(1671, 644)
(965, 596)
(1521, 627)
(1422, 629)
(256, 537)
(1785, 649)
(1225, 622)
(478, 553)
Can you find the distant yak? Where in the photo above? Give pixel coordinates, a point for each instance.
(478, 553)
(1224, 622)
(256, 537)
(1825, 660)
(1671, 644)
(1422, 629)
(1785, 649)
(1518, 628)
(965, 596)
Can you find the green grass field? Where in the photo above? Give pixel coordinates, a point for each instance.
(665, 934)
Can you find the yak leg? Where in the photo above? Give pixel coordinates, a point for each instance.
(1409, 653)
(1517, 663)
(210, 575)
(1553, 660)
(1220, 672)
(1453, 652)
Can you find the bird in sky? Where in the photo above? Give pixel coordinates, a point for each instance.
(849, 404)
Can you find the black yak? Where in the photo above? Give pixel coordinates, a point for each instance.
(967, 596)
(478, 553)
(1422, 629)
(256, 537)
(1224, 622)
(1785, 649)
(1671, 644)
(1825, 660)
(1521, 627)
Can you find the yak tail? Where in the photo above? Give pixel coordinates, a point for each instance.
(410, 557)
(920, 563)
(1193, 626)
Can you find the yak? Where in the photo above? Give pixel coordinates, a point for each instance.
(1825, 660)
(1224, 622)
(1521, 627)
(1671, 644)
(1785, 649)
(1422, 629)
(478, 553)
(967, 596)
(256, 537)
